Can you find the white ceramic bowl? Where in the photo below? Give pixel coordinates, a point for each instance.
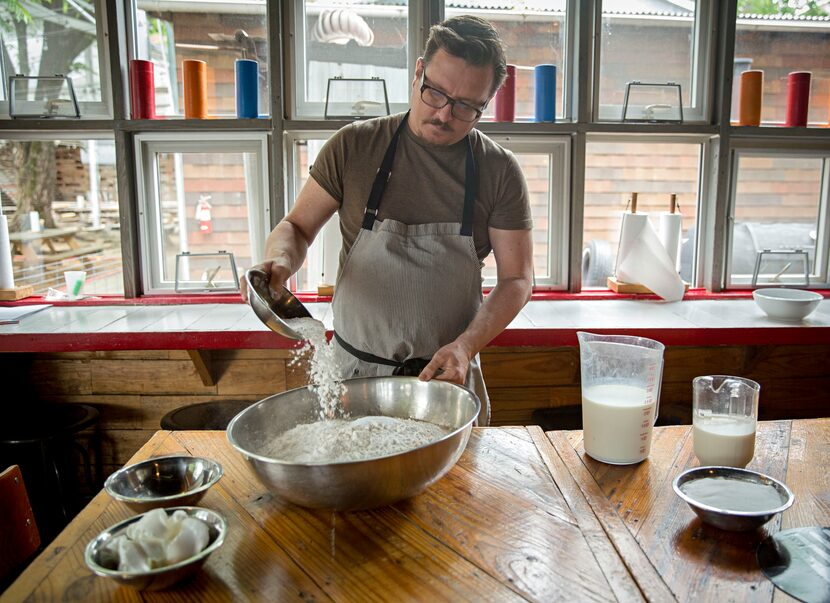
(786, 304)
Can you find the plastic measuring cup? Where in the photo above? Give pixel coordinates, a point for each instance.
(724, 415)
(621, 378)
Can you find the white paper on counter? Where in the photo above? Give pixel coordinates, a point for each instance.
(6, 271)
(669, 231)
(643, 260)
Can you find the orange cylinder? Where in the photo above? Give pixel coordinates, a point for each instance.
(752, 90)
(195, 89)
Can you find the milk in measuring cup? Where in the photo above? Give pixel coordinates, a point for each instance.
(617, 421)
(724, 440)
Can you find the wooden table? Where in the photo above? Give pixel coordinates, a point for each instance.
(47, 236)
(524, 515)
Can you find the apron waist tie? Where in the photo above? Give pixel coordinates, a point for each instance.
(410, 368)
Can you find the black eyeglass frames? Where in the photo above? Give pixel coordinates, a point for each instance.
(438, 100)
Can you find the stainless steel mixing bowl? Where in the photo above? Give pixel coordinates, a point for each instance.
(104, 564)
(358, 484)
(167, 481)
(274, 307)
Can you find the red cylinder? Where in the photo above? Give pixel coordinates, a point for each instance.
(142, 90)
(506, 97)
(798, 98)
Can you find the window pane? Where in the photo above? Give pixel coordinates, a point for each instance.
(217, 33)
(61, 201)
(59, 40)
(353, 39)
(654, 170)
(203, 208)
(323, 257)
(778, 43)
(533, 35)
(776, 208)
(537, 169)
(646, 46)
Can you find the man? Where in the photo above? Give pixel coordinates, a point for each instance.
(422, 199)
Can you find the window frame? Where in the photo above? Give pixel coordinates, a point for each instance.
(558, 150)
(298, 109)
(702, 69)
(753, 148)
(148, 145)
(89, 110)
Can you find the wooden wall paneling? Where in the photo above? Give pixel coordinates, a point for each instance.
(507, 367)
(786, 361)
(681, 363)
(249, 377)
(146, 377)
(54, 376)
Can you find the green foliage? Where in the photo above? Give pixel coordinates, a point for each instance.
(11, 12)
(801, 8)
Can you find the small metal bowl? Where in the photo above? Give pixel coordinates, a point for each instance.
(726, 519)
(273, 307)
(160, 578)
(163, 482)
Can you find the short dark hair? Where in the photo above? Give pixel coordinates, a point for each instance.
(472, 39)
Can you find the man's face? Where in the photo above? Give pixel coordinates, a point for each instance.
(458, 80)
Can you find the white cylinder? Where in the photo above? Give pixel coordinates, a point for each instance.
(6, 271)
(669, 230)
(34, 221)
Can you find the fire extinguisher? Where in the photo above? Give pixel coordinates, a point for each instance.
(203, 215)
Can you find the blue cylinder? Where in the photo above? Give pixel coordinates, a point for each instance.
(544, 79)
(247, 88)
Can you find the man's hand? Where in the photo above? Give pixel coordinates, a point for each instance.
(278, 275)
(450, 363)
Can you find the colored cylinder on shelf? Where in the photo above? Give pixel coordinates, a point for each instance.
(247, 88)
(798, 98)
(544, 78)
(142, 89)
(506, 97)
(195, 89)
(752, 91)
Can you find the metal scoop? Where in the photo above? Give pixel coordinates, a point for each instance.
(274, 307)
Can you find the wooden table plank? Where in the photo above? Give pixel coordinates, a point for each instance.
(697, 561)
(603, 513)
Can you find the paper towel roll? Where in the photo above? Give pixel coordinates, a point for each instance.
(669, 229)
(6, 272)
(642, 259)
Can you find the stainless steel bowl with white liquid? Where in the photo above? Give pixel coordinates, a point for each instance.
(361, 484)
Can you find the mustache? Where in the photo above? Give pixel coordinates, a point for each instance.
(438, 123)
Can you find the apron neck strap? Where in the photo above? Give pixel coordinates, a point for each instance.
(384, 173)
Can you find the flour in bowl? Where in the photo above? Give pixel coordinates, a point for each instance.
(324, 374)
(339, 440)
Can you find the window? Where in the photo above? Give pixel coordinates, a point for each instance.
(201, 193)
(780, 201)
(38, 40)
(534, 34)
(778, 43)
(351, 39)
(654, 170)
(546, 167)
(218, 33)
(323, 257)
(653, 46)
(61, 201)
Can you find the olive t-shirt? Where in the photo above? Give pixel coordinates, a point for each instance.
(427, 181)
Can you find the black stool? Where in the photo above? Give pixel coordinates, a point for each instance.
(41, 438)
(205, 415)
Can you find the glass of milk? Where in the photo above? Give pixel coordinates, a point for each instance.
(621, 378)
(724, 415)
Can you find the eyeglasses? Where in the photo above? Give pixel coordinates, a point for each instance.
(438, 100)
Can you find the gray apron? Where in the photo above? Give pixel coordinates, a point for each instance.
(407, 290)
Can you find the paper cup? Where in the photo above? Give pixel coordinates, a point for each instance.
(74, 283)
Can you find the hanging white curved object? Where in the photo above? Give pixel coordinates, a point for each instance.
(338, 26)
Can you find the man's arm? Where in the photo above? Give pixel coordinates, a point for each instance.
(513, 250)
(287, 245)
